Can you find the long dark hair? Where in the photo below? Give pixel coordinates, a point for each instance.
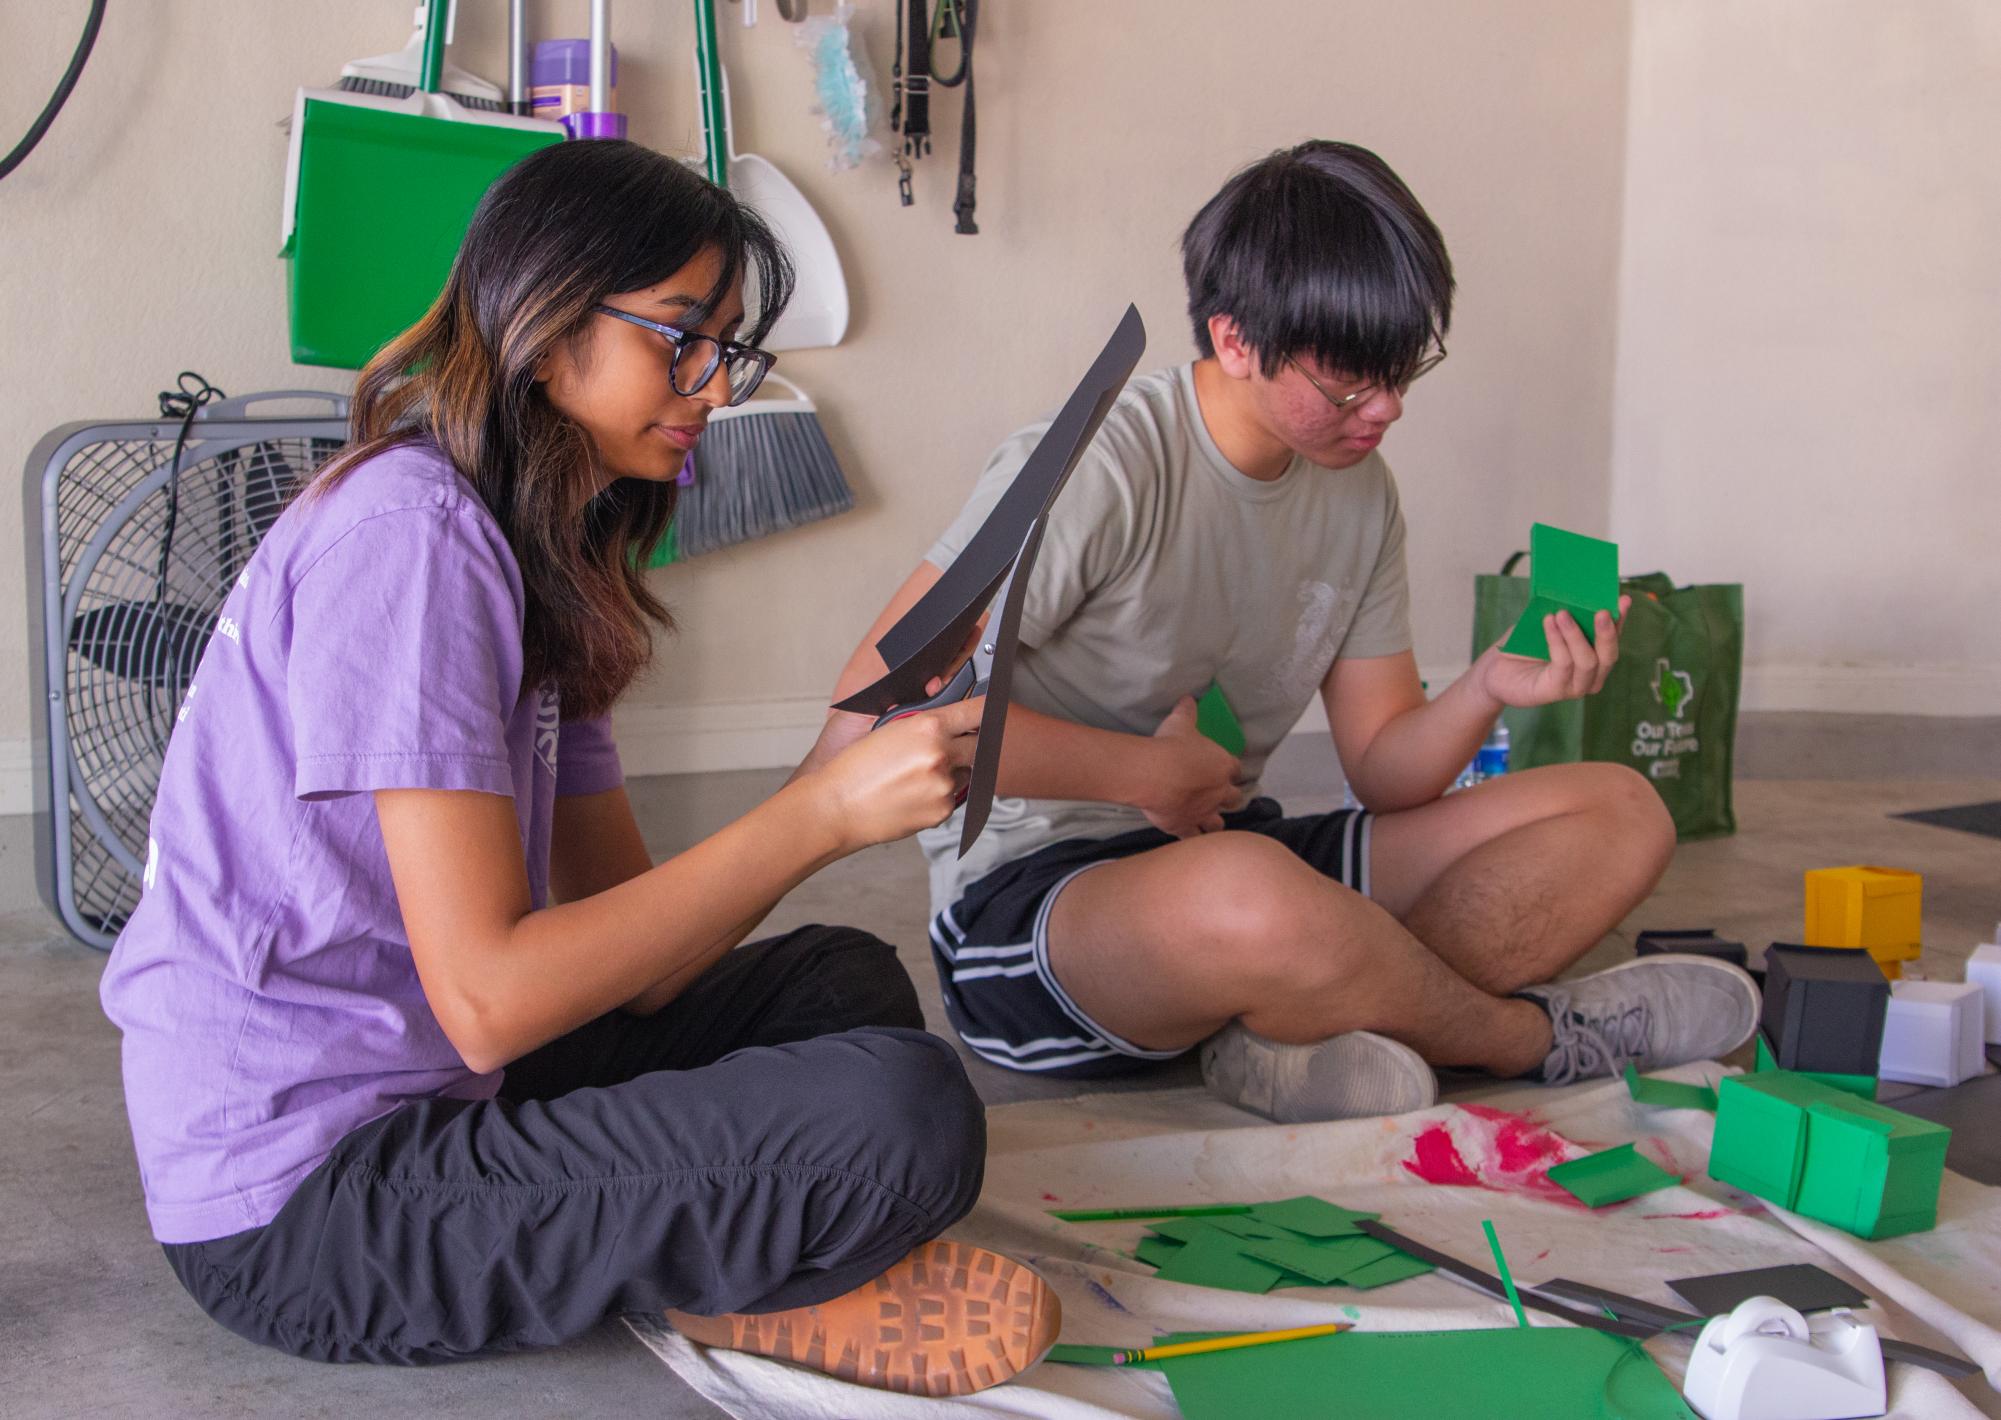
(1320, 250)
(559, 232)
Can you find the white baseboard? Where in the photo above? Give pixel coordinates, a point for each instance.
(1875, 690)
(776, 733)
(690, 739)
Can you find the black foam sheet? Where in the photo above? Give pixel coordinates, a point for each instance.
(1799, 1285)
(1004, 638)
(1983, 819)
(923, 642)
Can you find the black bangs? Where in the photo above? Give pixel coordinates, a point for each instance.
(1321, 252)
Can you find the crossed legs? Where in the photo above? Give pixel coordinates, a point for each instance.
(1473, 897)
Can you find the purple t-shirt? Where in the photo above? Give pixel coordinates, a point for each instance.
(264, 984)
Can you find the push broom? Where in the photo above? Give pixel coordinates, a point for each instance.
(764, 466)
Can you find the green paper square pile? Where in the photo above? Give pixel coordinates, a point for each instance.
(1292, 1242)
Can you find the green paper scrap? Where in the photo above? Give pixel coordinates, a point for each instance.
(1611, 1176)
(1154, 1252)
(1215, 718)
(1501, 1266)
(1567, 572)
(1669, 1094)
(1395, 1268)
(1861, 1086)
(1442, 1375)
(1217, 1260)
(1315, 1217)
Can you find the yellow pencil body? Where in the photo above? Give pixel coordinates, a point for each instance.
(1225, 1343)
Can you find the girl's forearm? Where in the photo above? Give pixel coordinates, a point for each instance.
(639, 942)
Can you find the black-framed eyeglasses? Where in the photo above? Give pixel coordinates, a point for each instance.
(1347, 401)
(697, 357)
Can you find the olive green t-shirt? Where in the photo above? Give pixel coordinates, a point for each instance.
(1164, 569)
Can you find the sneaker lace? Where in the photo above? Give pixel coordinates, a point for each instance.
(1590, 1047)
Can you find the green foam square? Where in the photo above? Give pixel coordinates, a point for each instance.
(1611, 1176)
(1567, 572)
(1312, 1217)
(1395, 1268)
(1218, 1261)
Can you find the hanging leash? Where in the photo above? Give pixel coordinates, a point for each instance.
(956, 19)
(910, 118)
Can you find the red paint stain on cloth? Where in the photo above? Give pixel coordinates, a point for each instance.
(1706, 1215)
(1483, 1147)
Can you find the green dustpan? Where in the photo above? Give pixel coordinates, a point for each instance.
(378, 195)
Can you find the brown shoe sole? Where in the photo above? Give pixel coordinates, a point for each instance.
(949, 1319)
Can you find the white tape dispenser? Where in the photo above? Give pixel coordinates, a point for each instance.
(1765, 1361)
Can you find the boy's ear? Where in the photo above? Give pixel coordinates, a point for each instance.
(1237, 359)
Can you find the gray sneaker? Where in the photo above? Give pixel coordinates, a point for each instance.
(1343, 1077)
(1654, 1012)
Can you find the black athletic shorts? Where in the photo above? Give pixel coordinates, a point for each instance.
(991, 947)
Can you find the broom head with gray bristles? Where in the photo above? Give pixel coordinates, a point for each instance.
(760, 468)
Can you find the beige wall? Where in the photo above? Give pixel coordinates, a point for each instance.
(141, 238)
(1807, 350)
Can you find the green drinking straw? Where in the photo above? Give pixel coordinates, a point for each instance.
(1507, 1278)
(1114, 1215)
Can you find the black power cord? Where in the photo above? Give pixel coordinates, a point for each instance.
(61, 96)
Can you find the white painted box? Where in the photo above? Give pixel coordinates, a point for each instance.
(1983, 969)
(1932, 1033)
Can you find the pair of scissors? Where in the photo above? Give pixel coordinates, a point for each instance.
(994, 570)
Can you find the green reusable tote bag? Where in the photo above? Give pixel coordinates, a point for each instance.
(1669, 708)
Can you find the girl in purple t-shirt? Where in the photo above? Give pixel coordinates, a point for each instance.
(424, 1056)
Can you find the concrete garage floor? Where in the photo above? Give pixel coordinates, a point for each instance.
(92, 1322)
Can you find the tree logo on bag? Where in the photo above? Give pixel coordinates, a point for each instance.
(1672, 688)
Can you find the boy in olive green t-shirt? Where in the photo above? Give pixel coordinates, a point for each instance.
(1232, 525)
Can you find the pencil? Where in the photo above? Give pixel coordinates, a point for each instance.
(1223, 1343)
(1113, 1215)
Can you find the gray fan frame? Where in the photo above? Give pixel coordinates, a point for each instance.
(59, 792)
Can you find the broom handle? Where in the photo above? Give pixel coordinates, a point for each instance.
(715, 135)
(435, 22)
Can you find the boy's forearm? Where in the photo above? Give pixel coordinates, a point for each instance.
(1415, 757)
(1044, 757)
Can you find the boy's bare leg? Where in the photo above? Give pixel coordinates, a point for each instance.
(1511, 881)
(1167, 947)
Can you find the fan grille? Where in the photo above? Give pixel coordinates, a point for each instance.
(144, 569)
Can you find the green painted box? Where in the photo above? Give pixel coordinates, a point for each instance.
(1761, 1133)
(1870, 1170)
(1822, 1151)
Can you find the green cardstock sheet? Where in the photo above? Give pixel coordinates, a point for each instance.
(1567, 572)
(1669, 1094)
(1611, 1176)
(1440, 1375)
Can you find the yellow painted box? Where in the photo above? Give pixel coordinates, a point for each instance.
(1876, 909)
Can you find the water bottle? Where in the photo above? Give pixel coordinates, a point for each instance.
(1492, 760)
